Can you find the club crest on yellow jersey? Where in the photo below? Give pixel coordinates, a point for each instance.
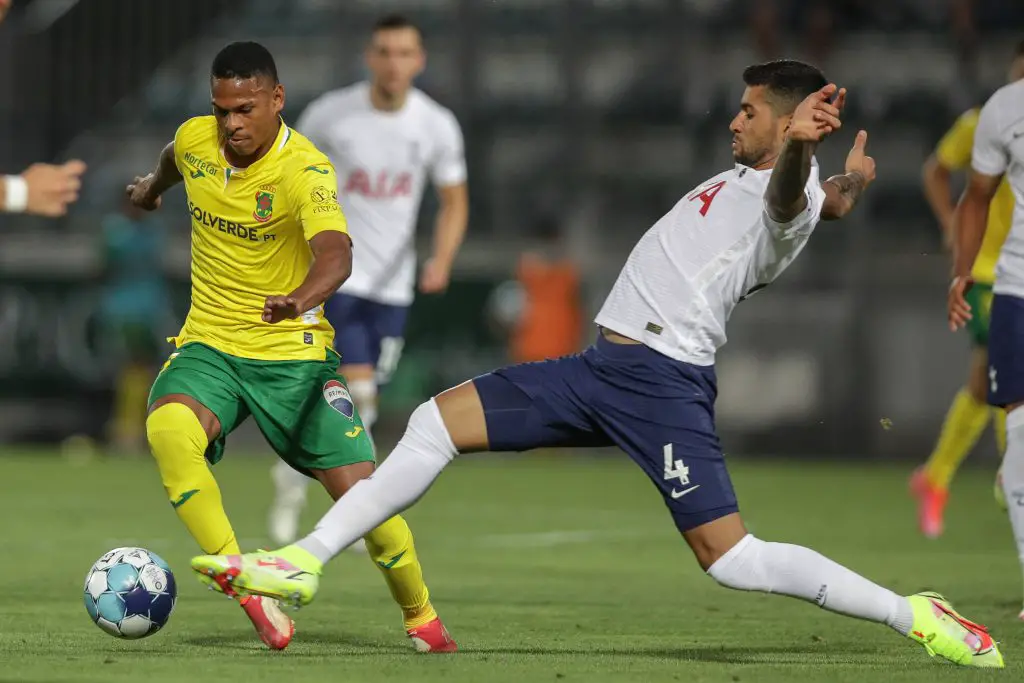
(264, 205)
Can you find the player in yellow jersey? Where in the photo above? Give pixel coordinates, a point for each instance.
(269, 245)
(970, 412)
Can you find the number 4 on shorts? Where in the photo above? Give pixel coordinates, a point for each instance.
(675, 469)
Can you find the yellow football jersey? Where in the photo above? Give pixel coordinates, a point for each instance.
(250, 233)
(954, 152)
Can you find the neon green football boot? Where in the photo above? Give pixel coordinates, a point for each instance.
(290, 575)
(944, 633)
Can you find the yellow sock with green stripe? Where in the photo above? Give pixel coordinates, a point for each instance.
(964, 423)
(391, 548)
(178, 443)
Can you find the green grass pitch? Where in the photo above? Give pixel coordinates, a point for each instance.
(545, 568)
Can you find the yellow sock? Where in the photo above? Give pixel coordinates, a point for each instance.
(179, 443)
(391, 549)
(999, 421)
(964, 423)
(130, 403)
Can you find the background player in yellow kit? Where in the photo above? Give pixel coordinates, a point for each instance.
(269, 245)
(970, 412)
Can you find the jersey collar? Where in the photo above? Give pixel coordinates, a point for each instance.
(284, 133)
(742, 169)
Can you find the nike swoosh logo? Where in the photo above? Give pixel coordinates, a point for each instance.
(323, 171)
(197, 174)
(354, 433)
(680, 494)
(183, 498)
(393, 562)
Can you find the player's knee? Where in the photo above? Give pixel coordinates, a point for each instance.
(427, 434)
(176, 439)
(977, 386)
(713, 540)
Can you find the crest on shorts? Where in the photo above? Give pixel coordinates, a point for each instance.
(337, 397)
(264, 206)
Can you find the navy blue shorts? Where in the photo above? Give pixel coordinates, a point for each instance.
(1006, 350)
(367, 332)
(658, 410)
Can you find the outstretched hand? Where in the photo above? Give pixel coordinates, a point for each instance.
(857, 161)
(818, 115)
(140, 193)
(52, 188)
(278, 308)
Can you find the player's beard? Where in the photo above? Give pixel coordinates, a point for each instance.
(751, 157)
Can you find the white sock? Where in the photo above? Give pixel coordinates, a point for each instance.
(289, 499)
(364, 395)
(754, 565)
(424, 451)
(1013, 476)
(289, 485)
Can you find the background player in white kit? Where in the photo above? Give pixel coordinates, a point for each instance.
(384, 138)
(648, 384)
(998, 151)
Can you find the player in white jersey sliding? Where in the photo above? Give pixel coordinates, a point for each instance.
(648, 384)
(385, 138)
(998, 151)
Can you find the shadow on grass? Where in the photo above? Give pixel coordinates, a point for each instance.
(319, 643)
(710, 653)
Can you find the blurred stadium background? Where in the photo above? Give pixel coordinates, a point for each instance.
(584, 121)
(586, 117)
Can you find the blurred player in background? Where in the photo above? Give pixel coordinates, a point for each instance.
(269, 246)
(41, 189)
(648, 384)
(970, 412)
(998, 153)
(385, 138)
(135, 303)
(540, 311)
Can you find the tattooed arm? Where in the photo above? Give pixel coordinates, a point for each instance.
(843, 191)
(841, 194)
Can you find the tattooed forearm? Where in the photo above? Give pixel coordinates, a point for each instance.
(785, 196)
(851, 185)
(842, 193)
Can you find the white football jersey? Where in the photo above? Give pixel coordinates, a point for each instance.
(998, 150)
(382, 160)
(715, 247)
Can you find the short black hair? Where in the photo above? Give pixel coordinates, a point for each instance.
(244, 60)
(787, 81)
(1019, 50)
(392, 22)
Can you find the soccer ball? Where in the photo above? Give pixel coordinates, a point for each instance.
(130, 592)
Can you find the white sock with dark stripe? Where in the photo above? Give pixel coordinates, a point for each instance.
(754, 565)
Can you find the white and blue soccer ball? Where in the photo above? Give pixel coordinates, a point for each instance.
(130, 592)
